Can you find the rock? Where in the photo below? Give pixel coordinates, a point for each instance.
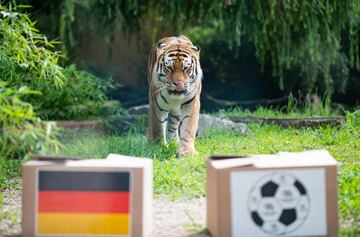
(138, 110)
(209, 122)
(206, 122)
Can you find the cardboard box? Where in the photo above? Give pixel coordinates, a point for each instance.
(109, 197)
(286, 194)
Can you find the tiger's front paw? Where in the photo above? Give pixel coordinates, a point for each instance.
(186, 151)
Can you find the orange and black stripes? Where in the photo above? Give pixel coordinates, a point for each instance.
(174, 92)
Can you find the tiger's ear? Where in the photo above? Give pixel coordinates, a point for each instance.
(161, 44)
(196, 48)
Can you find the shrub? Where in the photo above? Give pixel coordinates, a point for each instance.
(26, 55)
(33, 83)
(21, 132)
(28, 58)
(25, 60)
(81, 96)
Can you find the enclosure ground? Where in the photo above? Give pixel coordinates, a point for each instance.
(175, 218)
(179, 217)
(179, 184)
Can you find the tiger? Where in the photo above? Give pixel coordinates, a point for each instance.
(175, 82)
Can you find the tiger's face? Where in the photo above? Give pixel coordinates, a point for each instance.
(178, 67)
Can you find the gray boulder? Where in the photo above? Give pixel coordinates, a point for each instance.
(139, 110)
(208, 123)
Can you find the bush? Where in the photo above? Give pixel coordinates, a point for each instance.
(29, 58)
(21, 132)
(33, 83)
(26, 55)
(81, 96)
(24, 62)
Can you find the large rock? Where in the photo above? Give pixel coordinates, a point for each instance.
(139, 110)
(208, 123)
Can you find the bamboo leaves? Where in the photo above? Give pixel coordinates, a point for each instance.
(28, 48)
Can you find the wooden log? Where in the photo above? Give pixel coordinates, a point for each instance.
(292, 122)
(245, 102)
(123, 122)
(120, 123)
(90, 124)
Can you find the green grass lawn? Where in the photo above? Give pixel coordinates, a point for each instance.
(288, 111)
(185, 177)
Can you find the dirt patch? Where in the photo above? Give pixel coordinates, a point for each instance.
(171, 218)
(179, 218)
(10, 213)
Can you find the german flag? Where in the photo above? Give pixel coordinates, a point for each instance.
(83, 203)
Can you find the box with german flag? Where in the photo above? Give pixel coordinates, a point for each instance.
(71, 197)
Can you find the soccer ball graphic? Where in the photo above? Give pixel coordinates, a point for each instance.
(278, 203)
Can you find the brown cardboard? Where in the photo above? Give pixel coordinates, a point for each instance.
(140, 223)
(232, 179)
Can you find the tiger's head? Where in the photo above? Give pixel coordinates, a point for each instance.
(176, 65)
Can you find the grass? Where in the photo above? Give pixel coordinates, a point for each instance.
(12, 215)
(10, 172)
(277, 112)
(185, 177)
(291, 110)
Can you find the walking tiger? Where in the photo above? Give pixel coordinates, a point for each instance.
(174, 77)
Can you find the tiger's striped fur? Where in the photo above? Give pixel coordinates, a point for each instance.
(174, 76)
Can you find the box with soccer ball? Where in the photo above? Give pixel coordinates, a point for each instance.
(70, 197)
(286, 194)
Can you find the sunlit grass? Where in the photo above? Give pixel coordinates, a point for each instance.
(291, 110)
(185, 177)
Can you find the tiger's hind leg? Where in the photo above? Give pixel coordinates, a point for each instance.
(173, 125)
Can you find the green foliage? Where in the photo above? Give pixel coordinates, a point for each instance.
(33, 83)
(21, 132)
(82, 96)
(27, 58)
(26, 55)
(300, 35)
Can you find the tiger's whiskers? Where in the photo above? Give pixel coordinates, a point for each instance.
(158, 90)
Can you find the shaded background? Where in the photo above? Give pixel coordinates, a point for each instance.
(113, 39)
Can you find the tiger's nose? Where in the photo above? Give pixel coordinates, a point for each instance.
(180, 86)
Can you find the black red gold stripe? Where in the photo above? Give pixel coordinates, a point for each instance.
(83, 203)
